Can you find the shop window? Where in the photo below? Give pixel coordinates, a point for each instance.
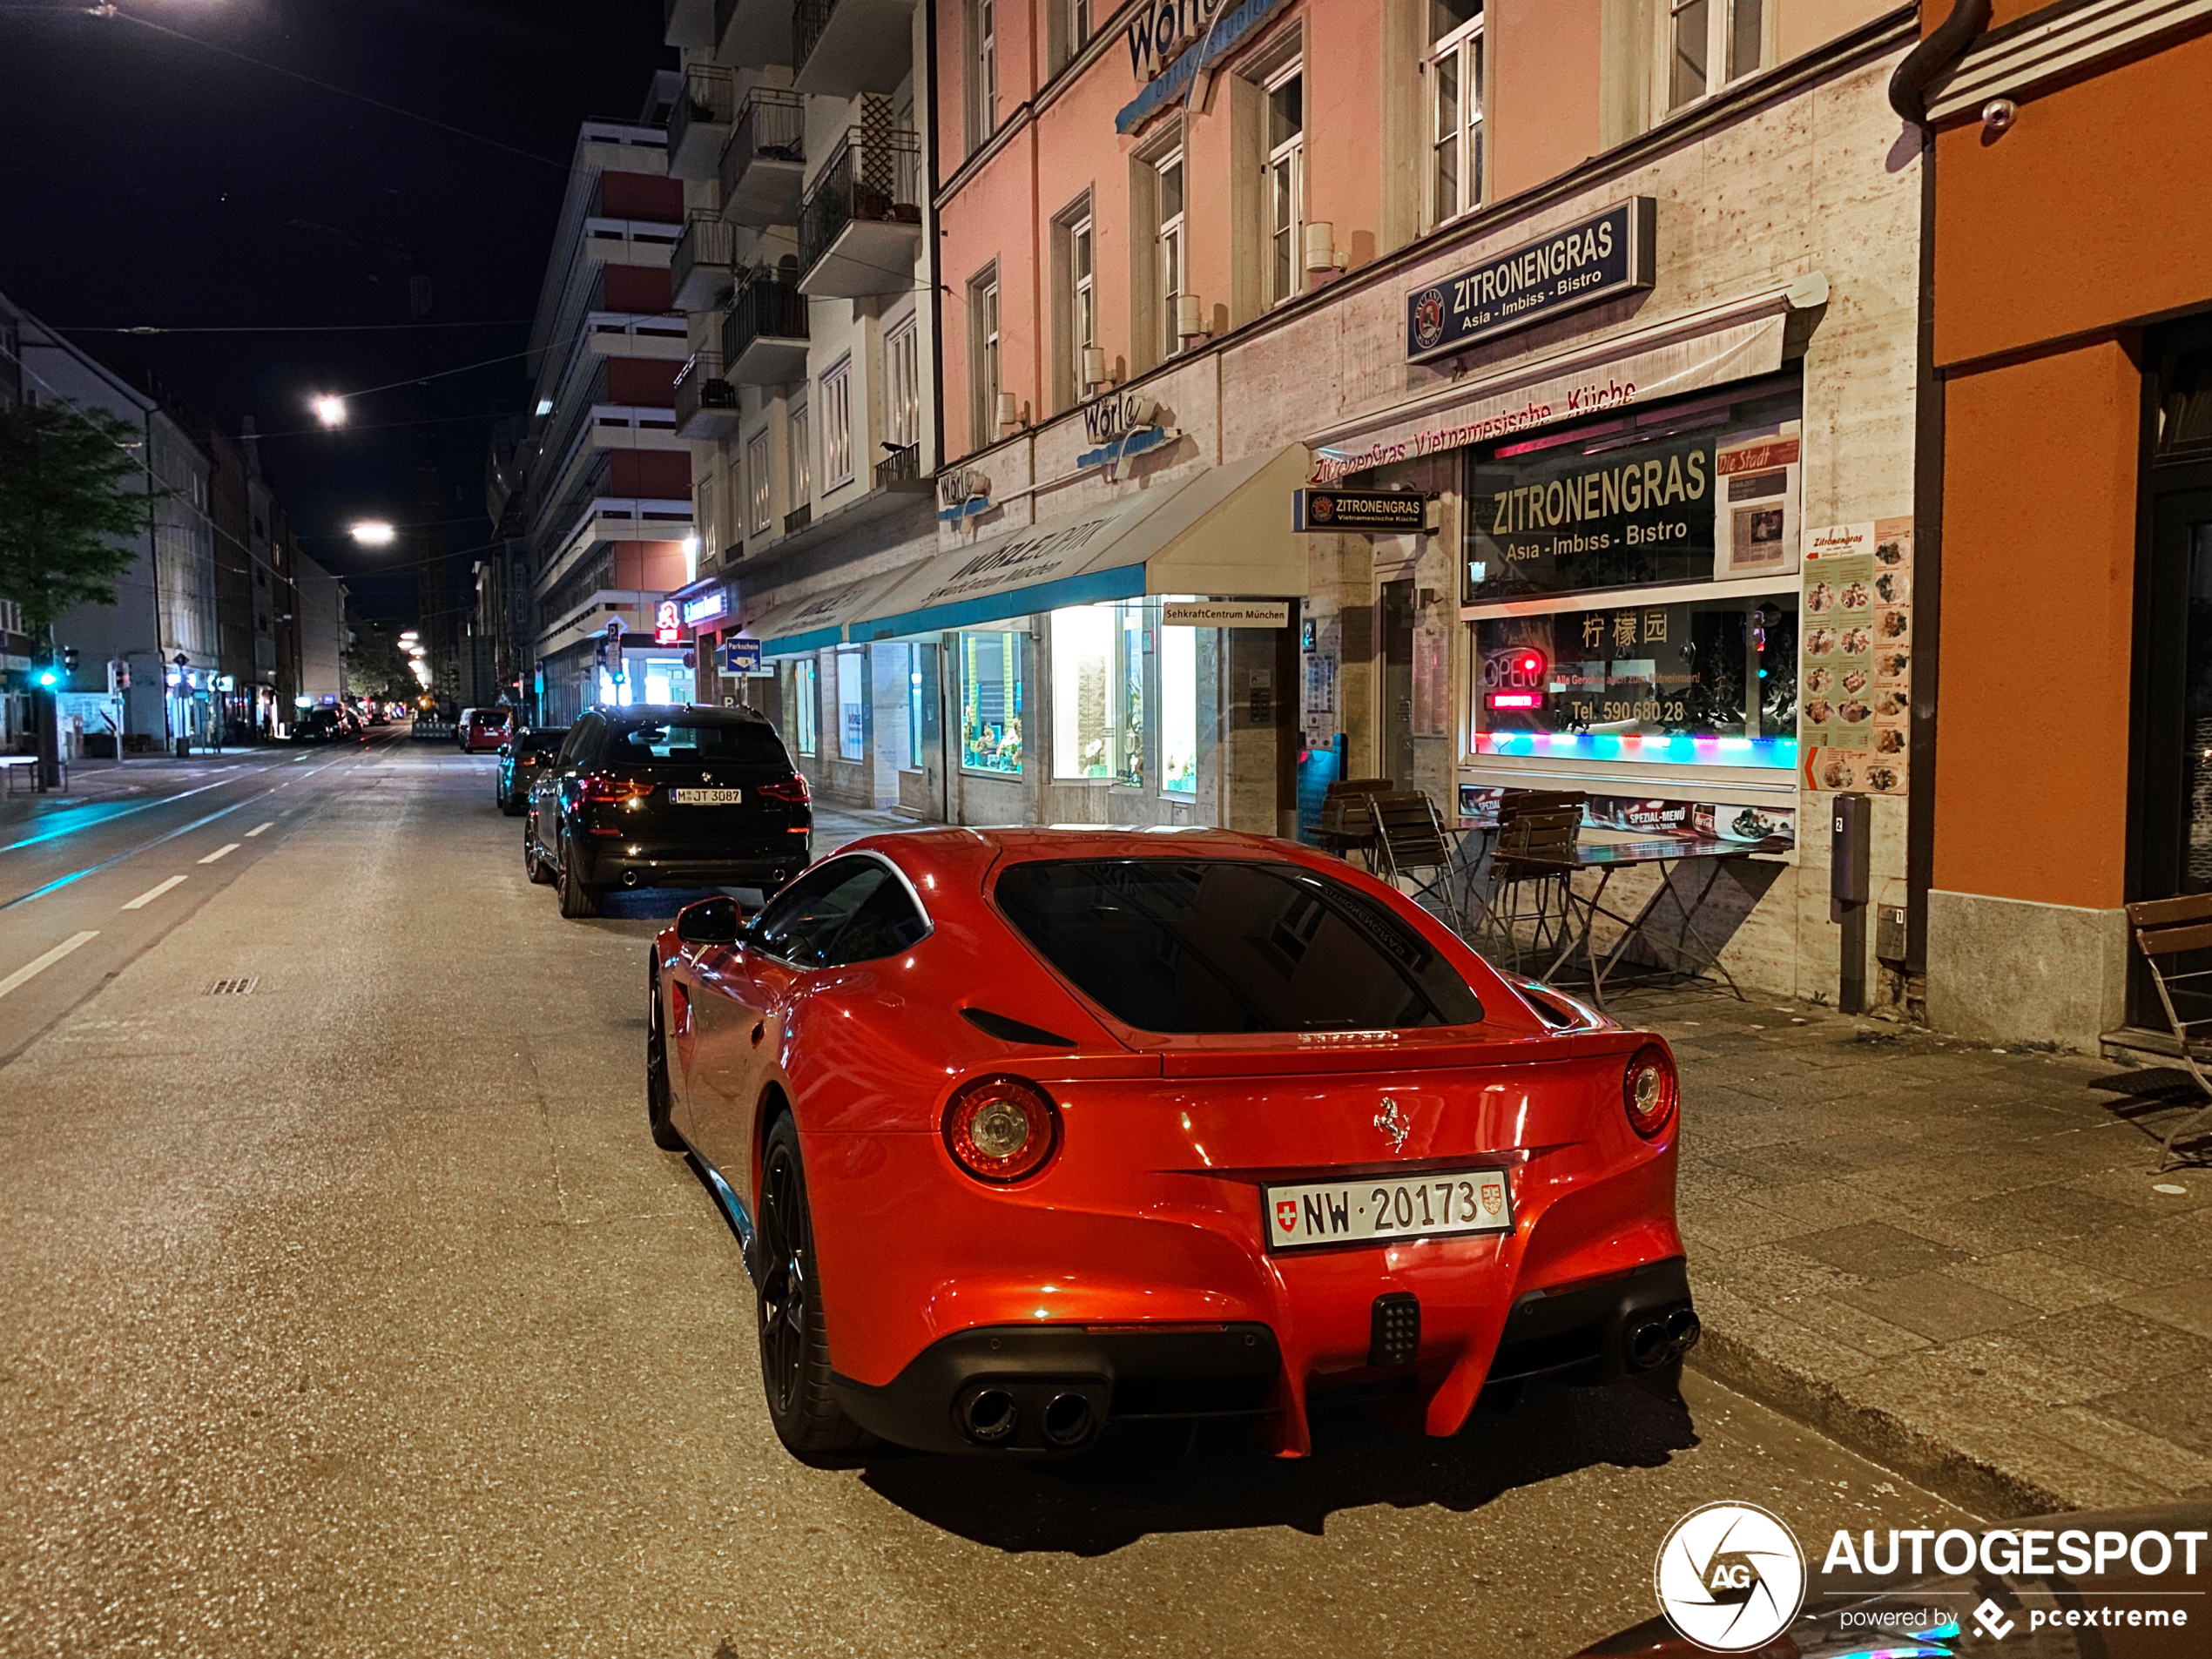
(756, 482)
(1456, 98)
(990, 702)
(1708, 44)
(983, 358)
(852, 704)
(1285, 183)
(1098, 692)
(914, 727)
(1179, 712)
(902, 391)
(837, 426)
(801, 696)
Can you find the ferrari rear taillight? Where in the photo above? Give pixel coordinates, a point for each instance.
(1001, 1128)
(792, 790)
(613, 791)
(1648, 1091)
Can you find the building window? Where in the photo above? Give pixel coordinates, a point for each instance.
(902, 374)
(756, 467)
(708, 539)
(1285, 182)
(911, 655)
(983, 351)
(805, 710)
(799, 435)
(1711, 43)
(990, 702)
(983, 101)
(1455, 100)
(1098, 692)
(852, 704)
(837, 426)
(1179, 712)
(1172, 263)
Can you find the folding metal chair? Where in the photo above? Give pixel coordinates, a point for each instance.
(2165, 928)
(1411, 844)
(1345, 822)
(1533, 859)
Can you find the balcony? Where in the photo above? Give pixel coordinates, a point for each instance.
(752, 34)
(763, 336)
(704, 264)
(847, 46)
(698, 126)
(765, 162)
(860, 228)
(901, 470)
(688, 24)
(798, 518)
(706, 402)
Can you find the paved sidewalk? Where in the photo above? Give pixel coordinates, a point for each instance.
(1951, 1258)
(95, 781)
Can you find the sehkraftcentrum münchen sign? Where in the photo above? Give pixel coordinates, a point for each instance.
(1599, 258)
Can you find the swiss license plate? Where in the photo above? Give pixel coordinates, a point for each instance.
(1376, 1209)
(707, 797)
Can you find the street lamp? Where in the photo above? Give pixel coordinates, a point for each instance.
(375, 532)
(330, 410)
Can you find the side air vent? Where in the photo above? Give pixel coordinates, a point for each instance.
(1007, 1029)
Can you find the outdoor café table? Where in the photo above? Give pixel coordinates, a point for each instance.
(1686, 943)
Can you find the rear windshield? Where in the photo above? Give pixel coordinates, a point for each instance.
(1216, 946)
(746, 743)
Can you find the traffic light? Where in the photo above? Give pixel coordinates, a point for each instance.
(69, 658)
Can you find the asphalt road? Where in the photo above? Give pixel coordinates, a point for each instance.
(357, 1314)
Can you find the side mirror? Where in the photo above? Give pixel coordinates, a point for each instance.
(507, 748)
(710, 921)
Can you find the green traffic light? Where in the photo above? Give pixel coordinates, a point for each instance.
(49, 679)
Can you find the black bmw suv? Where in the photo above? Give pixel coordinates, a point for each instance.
(679, 796)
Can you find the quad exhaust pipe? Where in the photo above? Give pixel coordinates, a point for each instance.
(1066, 1421)
(989, 1417)
(992, 1415)
(1655, 1341)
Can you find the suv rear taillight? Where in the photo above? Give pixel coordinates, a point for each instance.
(613, 791)
(791, 791)
(1649, 1090)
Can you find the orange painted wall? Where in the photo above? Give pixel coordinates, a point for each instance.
(1544, 90)
(2089, 214)
(2038, 559)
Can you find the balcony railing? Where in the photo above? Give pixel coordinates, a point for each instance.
(700, 120)
(766, 308)
(798, 518)
(867, 180)
(901, 466)
(705, 262)
(808, 19)
(706, 403)
(762, 162)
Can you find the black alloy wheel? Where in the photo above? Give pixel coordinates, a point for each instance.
(660, 1104)
(794, 1347)
(579, 899)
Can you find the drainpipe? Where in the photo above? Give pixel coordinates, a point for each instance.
(1927, 62)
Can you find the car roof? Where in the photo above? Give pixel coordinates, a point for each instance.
(643, 711)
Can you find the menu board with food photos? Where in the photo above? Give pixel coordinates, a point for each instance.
(1856, 683)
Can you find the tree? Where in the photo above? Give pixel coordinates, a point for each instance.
(70, 501)
(377, 667)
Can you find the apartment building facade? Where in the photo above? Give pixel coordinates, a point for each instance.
(808, 397)
(606, 485)
(1550, 277)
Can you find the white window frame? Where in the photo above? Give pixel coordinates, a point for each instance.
(1466, 51)
(983, 321)
(800, 440)
(1284, 188)
(983, 100)
(1721, 67)
(1082, 307)
(1078, 25)
(837, 427)
(1171, 256)
(902, 385)
(759, 492)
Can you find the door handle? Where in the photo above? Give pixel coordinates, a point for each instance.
(759, 1032)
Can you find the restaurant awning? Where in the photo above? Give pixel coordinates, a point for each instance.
(1221, 533)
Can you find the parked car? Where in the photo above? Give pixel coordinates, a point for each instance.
(317, 725)
(482, 731)
(520, 758)
(681, 796)
(1031, 1131)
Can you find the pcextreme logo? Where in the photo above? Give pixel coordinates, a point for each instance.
(1730, 1577)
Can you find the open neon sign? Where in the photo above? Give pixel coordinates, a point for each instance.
(1516, 679)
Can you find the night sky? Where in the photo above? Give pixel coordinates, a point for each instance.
(150, 180)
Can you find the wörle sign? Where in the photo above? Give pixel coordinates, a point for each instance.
(1599, 258)
(1380, 511)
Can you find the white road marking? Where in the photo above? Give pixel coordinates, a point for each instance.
(259, 828)
(23, 976)
(147, 897)
(220, 852)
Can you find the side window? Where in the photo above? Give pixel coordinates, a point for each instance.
(578, 741)
(850, 911)
(886, 923)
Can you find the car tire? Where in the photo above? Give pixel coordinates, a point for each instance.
(660, 1104)
(794, 1345)
(579, 899)
(540, 872)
